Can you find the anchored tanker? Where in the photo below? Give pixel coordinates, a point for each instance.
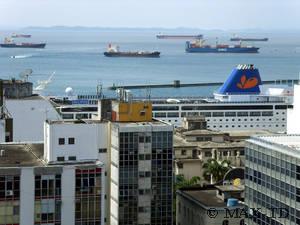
(9, 43)
(113, 51)
(199, 47)
(248, 39)
(21, 36)
(184, 37)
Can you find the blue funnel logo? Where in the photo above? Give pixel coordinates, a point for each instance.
(242, 80)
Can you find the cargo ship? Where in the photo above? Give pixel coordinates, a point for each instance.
(180, 37)
(9, 43)
(21, 36)
(114, 51)
(199, 47)
(248, 39)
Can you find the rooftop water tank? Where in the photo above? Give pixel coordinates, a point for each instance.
(232, 202)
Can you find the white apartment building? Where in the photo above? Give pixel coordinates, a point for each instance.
(34, 192)
(272, 179)
(76, 140)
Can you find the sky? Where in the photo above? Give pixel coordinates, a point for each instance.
(203, 14)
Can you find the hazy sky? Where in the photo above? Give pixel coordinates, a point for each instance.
(207, 14)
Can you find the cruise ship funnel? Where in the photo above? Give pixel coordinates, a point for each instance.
(244, 79)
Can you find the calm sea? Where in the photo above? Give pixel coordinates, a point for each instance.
(76, 55)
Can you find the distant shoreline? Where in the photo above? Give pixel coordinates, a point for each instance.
(156, 29)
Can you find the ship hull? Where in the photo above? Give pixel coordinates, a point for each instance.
(179, 37)
(222, 50)
(249, 39)
(21, 36)
(132, 54)
(41, 45)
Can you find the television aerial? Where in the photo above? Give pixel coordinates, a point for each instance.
(25, 74)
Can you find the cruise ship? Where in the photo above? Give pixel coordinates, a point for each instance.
(241, 103)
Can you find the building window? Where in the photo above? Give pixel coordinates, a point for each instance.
(67, 116)
(61, 158)
(183, 152)
(102, 150)
(72, 158)
(141, 139)
(148, 139)
(47, 199)
(71, 141)
(225, 222)
(180, 165)
(88, 196)
(61, 141)
(10, 199)
(207, 154)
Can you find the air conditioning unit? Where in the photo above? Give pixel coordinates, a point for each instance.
(9, 193)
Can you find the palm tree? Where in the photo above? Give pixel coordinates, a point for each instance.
(214, 170)
(181, 182)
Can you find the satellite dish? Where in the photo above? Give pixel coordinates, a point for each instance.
(25, 74)
(69, 91)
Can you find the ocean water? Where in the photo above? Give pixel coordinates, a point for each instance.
(76, 55)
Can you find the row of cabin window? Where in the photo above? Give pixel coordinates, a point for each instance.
(216, 114)
(71, 141)
(62, 158)
(245, 126)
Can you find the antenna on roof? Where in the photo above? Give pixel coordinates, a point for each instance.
(148, 93)
(99, 90)
(25, 74)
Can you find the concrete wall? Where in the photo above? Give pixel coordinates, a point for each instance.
(114, 177)
(27, 196)
(68, 196)
(293, 118)
(88, 139)
(30, 114)
(17, 89)
(191, 168)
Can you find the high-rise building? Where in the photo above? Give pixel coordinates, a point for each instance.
(141, 167)
(272, 180)
(141, 173)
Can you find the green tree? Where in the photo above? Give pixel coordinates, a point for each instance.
(181, 182)
(214, 170)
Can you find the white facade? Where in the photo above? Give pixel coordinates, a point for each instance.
(27, 196)
(293, 119)
(31, 206)
(29, 116)
(68, 195)
(84, 141)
